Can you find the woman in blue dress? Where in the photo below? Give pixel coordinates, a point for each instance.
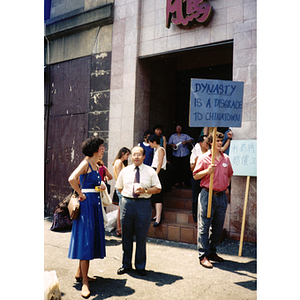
(88, 235)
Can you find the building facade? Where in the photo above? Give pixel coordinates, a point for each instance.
(116, 68)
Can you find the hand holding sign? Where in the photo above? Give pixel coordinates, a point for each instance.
(211, 169)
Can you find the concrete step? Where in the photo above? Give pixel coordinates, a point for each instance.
(179, 199)
(180, 193)
(178, 203)
(173, 215)
(177, 218)
(185, 233)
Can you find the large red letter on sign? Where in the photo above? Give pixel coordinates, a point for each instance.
(174, 6)
(195, 9)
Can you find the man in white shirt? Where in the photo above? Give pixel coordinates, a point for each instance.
(136, 186)
(200, 148)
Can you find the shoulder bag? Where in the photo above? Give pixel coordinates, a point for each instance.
(74, 205)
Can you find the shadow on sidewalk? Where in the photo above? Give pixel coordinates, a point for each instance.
(113, 242)
(242, 269)
(104, 288)
(159, 278)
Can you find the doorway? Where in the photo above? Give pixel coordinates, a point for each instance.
(170, 79)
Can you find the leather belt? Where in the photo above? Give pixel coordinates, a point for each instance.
(216, 193)
(136, 199)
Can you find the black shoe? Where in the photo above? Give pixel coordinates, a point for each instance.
(156, 224)
(153, 219)
(122, 270)
(215, 257)
(142, 272)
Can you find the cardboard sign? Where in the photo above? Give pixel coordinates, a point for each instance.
(242, 154)
(216, 103)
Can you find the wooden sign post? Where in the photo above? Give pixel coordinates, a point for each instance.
(243, 160)
(211, 178)
(244, 216)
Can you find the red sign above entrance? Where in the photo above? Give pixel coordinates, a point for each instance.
(182, 12)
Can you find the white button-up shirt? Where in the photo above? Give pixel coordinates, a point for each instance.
(148, 179)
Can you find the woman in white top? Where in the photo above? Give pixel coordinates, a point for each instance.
(159, 163)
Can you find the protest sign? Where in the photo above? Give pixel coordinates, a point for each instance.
(242, 154)
(216, 103)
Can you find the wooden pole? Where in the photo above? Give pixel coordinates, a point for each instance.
(244, 215)
(211, 179)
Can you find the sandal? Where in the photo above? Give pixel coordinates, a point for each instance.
(85, 292)
(79, 279)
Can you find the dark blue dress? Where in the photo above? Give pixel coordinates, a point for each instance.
(149, 154)
(88, 235)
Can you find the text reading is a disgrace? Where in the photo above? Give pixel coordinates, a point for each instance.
(218, 103)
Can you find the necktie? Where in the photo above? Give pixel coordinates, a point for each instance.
(136, 180)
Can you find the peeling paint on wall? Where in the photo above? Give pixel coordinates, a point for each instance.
(72, 152)
(101, 55)
(100, 73)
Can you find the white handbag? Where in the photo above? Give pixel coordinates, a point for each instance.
(106, 201)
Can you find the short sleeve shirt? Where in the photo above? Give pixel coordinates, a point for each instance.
(222, 172)
(182, 150)
(148, 179)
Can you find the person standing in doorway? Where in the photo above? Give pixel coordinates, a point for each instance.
(223, 172)
(148, 149)
(157, 129)
(136, 183)
(179, 142)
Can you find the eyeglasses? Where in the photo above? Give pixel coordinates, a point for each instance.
(136, 155)
(102, 148)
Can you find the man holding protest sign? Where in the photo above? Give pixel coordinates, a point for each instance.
(223, 172)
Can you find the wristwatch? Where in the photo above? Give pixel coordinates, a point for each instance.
(146, 190)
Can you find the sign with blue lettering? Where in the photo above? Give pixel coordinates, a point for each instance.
(242, 154)
(216, 103)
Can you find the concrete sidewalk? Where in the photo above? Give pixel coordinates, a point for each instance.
(173, 269)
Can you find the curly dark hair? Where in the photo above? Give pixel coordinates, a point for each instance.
(91, 145)
(219, 135)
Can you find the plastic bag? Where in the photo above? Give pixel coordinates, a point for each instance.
(111, 221)
(51, 286)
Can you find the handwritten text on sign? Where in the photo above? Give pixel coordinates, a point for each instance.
(216, 103)
(243, 156)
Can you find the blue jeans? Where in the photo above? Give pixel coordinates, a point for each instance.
(205, 243)
(135, 219)
(196, 191)
(120, 196)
